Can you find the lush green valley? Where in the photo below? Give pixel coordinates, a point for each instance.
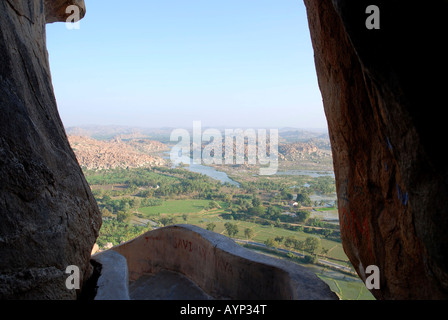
(276, 215)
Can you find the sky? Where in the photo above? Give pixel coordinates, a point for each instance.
(228, 63)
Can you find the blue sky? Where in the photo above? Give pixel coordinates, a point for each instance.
(231, 63)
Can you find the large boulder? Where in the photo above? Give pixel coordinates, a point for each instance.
(48, 217)
(383, 90)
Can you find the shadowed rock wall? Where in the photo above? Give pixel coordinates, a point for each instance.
(383, 91)
(48, 217)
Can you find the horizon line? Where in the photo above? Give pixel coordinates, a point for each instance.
(175, 127)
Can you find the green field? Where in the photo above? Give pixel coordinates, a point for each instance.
(135, 200)
(175, 207)
(325, 209)
(347, 288)
(197, 214)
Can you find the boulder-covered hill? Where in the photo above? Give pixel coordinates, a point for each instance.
(312, 150)
(95, 154)
(302, 150)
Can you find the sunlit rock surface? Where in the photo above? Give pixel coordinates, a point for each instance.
(383, 90)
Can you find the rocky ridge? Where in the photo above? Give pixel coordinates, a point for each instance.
(95, 154)
(301, 150)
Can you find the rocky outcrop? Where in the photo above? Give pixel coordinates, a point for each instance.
(48, 217)
(382, 91)
(56, 10)
(134, 153)
(299, 150)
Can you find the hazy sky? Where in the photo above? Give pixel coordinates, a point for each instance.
(234, 63)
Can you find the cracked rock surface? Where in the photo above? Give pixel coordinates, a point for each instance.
(382, 92)
(48, 217)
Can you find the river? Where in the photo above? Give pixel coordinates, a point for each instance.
(212, 173)
(310, 173)
(223, 177)
(206, 170)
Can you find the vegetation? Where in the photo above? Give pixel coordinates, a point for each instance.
(232, 229)
(116, 232)
(261, 210)
(166, 196)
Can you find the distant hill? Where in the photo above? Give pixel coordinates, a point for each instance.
(291, 135)
(116, 153)
(104, 147)
(123, 132)
(287, 134)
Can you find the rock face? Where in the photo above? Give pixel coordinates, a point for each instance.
(56, 10)
(48, 217)
(382, 91)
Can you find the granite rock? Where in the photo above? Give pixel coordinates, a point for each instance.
(382, 90)
(48, 216)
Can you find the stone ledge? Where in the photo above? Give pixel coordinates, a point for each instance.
(220, 267)
(113, 283)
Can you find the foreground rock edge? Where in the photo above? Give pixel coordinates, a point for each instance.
(218, 265)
